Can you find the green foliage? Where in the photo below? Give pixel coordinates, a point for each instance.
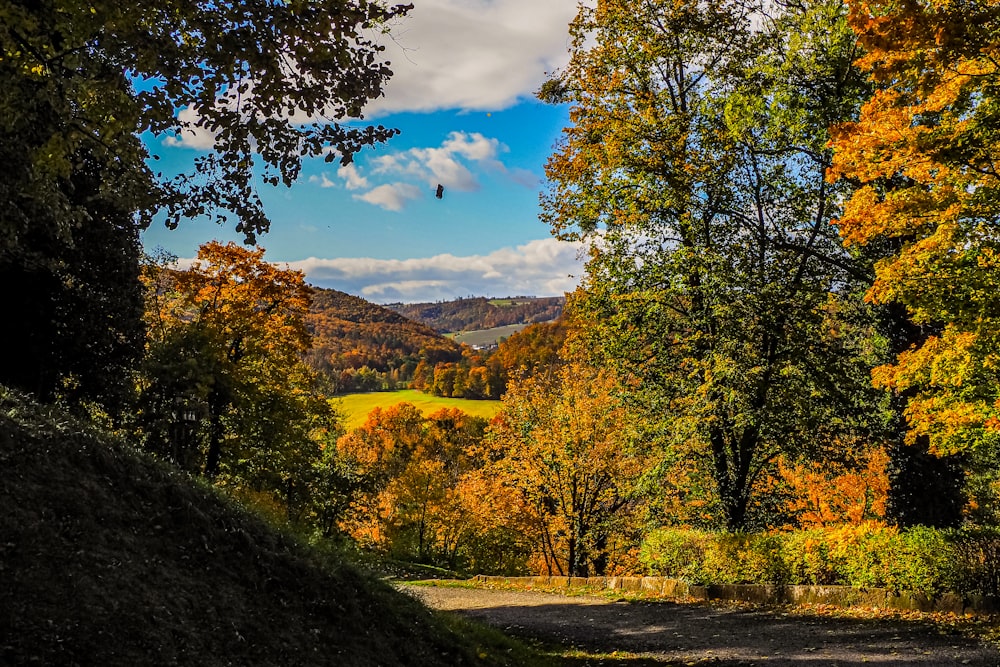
(716, 558)
(715, 274)
(920, 559)
(263, 84)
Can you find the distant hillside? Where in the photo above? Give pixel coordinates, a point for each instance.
(111, 558)
(360, 346)
(481, 313)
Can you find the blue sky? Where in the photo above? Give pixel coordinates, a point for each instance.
(462, 97)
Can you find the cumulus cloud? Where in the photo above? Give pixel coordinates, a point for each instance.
(323, 181)
(544, 267)
(390, 196)
(451, 164)
(352, 179)
(442, 164)
(476, 55)
(473, 54)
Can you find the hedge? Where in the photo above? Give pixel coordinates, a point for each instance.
(917, 560)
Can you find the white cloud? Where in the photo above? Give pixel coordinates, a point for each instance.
(391, 196)
(191, 136)
(442, 164)
(323, 181)
(451, 164)
(352, 179)
(473, 54)
(483, 55)
(543, 267)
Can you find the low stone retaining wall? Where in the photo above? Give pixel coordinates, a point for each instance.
(838, 596)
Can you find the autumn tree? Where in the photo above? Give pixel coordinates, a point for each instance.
(923, 154)
(421, 487)
(694, 166)
(564, 445)
(225, 390)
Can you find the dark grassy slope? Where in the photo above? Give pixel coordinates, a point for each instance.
(110, 558)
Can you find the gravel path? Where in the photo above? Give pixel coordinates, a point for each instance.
(695, 632)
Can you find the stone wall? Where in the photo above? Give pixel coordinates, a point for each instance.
(838, 596)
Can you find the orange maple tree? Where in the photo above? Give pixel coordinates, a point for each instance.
(923, 153)
(564, 446)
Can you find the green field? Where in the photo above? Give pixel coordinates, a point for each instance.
(509, 303)
(487, 336)
(355, 407)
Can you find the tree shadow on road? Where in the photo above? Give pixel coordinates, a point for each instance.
(658, 633)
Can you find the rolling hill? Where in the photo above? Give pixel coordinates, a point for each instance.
(481, 313)
(351, 334)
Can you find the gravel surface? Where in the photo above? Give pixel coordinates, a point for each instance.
(702, 633)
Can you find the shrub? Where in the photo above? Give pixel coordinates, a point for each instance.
(676, 553)
(807, 557)
(870, 555)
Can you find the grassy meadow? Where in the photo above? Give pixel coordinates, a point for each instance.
(486, 336)
(355, 407)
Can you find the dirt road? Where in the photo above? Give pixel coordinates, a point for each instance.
(722, 636)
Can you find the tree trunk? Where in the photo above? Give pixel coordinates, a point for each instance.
(216, 405)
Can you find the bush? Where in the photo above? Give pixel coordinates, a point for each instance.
(676, 553)
(871, 555)
(807, 557)
(703, 558)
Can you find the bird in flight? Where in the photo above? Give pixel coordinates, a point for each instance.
(439, 193)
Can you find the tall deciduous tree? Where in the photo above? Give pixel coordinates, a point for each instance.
(226, 339)
(263, 81)
(695, 166)
(262, 84)
(564, 445)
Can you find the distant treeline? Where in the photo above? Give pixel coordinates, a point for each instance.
(481, 313)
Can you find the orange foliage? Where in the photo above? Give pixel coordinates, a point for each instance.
(427, 497)
(563, 443)
(829, 495)
(924, 152)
